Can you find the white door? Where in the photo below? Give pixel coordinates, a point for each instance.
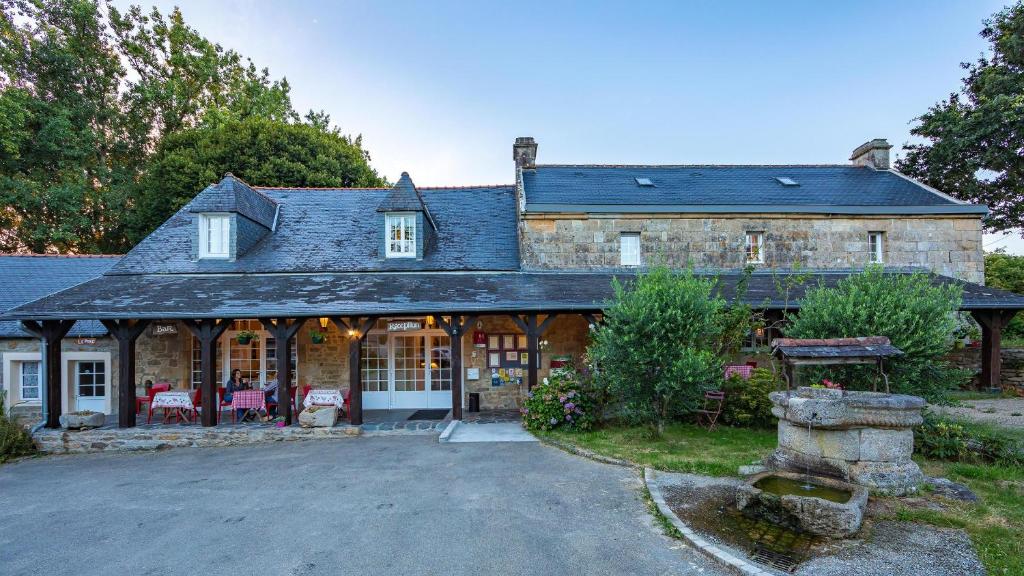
(440, 390)
(90, 385)
(376, 372)
(408, 358)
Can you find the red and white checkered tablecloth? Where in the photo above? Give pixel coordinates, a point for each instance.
(742, 370)
(174, 400)
(248, 399)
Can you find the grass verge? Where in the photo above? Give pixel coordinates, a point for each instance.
(682, 448)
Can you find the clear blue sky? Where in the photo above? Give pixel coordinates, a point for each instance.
(440, 88)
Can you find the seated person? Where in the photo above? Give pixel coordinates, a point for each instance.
(234, 384)
(270, 393)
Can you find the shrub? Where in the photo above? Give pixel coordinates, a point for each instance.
(945, 439)
(656, 350)
(918, 317)
(558, 402)
(14, 440)
(746, 401)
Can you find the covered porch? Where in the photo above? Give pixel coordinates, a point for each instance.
(455, 312)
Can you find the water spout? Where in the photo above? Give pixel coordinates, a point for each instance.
(807, 467)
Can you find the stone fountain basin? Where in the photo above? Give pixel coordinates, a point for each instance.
(838, 409)
(807, 513)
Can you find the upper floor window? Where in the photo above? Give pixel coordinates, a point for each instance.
(401, 235)
(755, 248)
(214, 235)
(629, 247)
(876, 247)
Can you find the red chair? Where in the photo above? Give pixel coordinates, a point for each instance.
(348, 399)
(159, 387)
(708, 415)
(221, 391)
(197, 404)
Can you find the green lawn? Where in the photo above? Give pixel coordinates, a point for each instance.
(995, 524)
(682, 448)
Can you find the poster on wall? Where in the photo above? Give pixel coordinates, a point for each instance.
(493, 359)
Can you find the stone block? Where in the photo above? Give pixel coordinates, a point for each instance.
(886, 445)
(318, 417)
(833, 444)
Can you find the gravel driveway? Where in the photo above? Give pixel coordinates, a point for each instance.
(1007, 412)
(385, 505)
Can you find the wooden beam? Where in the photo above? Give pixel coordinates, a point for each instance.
(355, 328)
(455, 329)
(50, 334)
(207, 331)
(126, 332)
(283, 330)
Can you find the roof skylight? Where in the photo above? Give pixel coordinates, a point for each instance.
(644, 182)
(785, 181)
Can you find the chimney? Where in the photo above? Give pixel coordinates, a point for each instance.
(524, 152)
(874, 154)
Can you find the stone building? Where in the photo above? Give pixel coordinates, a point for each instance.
(421, 298)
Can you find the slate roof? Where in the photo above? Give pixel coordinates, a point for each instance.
(233, 195)
(26, 278)
(310, 295)
(835, 348)
(338, 230)
(834, 189)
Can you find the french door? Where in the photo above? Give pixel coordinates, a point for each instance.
(90, 386)
(408, 370)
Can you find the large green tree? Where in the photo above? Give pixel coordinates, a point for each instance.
(97, 103)
(260, 151)
(974, 139)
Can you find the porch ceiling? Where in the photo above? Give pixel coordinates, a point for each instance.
(349, 294)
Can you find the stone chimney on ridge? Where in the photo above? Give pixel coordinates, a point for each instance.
(874, 154)
(524, 152)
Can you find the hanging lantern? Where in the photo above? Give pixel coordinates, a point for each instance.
(323, 323)
(479, 338)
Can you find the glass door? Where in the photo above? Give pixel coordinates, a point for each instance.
(376, 368)
(409, 370)
(90, 386)
(440, 350)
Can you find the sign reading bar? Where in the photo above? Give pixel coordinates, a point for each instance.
(404, 326)
(163, 329)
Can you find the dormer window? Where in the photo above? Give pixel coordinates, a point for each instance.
(400, 230)
(214, 236)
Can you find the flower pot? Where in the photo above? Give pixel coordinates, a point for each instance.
(82, 420)
(318, 339)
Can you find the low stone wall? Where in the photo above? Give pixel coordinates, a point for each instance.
(1012, 369)
(135, 439)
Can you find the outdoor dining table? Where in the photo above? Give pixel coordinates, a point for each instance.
(252, 401)
(327, 397)
(176, 403)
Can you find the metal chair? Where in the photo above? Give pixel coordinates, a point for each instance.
(708, 415)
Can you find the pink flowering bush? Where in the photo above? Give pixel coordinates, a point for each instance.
(559, 402)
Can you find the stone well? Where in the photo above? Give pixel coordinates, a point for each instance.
(865, 438)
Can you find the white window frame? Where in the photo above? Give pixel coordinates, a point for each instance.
(406, 247)
(38, 384)
(629, 249)
(207, 232)
(876, 253)
(754, 247)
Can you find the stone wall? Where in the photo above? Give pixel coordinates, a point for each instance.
(322, 365)
(1012, 369)
(948, 245)
(164, 358)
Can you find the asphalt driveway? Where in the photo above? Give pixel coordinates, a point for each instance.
(383, 505)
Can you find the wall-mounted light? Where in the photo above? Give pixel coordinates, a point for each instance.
(323, 323)
(352, 333)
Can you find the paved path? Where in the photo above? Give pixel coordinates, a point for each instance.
(386, 505)
(493, 432)
(1007, 412)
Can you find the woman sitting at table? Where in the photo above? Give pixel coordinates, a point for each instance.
(234, 384)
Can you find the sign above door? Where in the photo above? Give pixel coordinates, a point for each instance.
(404, 325)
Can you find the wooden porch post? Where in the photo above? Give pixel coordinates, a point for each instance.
(455, 330)
(126, 332)
(208, 330)
(355, 328)
(50, 334)
(283, 330)
(534, 331)
(992, 324)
